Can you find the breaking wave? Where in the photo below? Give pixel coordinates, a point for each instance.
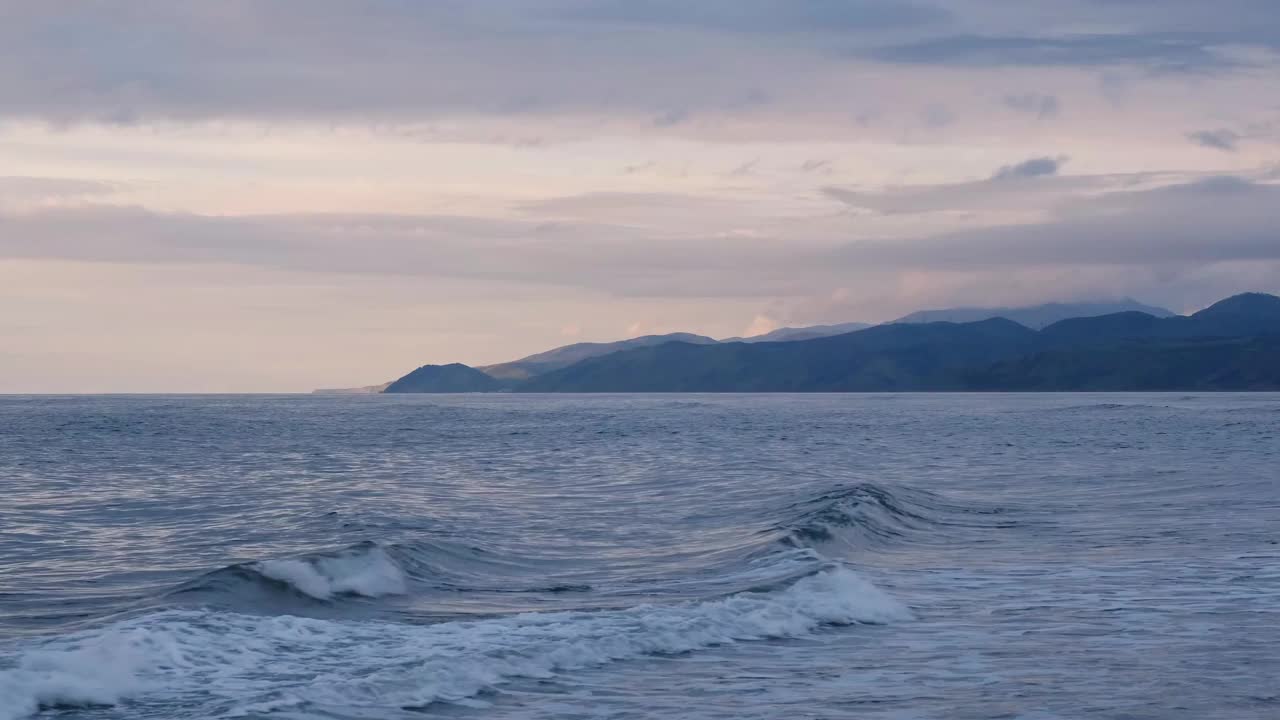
(786, 577)
(204, 655)
(365, 570)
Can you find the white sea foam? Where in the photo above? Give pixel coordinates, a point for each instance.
(83, 671)
(368, 572)
(256, 663)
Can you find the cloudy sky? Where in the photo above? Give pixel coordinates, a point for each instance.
(283, 194)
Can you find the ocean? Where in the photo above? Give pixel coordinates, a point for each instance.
(669, 556)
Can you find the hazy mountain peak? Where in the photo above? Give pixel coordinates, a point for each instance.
(808, 332)
(364, 390)
(567, 355)
(451, 378)
(1035, 316)
(1252, 303)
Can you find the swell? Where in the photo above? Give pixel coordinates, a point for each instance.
(781, 578)
(865, 516)
(793, 541)
(167, 661)
(370, 570)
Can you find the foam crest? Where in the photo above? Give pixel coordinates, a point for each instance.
(207, 657)
(366, 571)
(85, 671)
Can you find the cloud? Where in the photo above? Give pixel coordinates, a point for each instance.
(508, 72)
(692, 213)
(636, 168)
(388, 61)
(1041, 105)
(765, 16)
(936, 115)
(1209, 221)
(760, 325)
(375, 61)
(1221, 139)
(671, 117)
(1029, 185)
(1214, 220)
(22, 192)
(1164, 51)
(616, 259)
(1033, 168)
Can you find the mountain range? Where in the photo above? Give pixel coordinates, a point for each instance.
(801, 333)
(1036, 317)
(562, 357)
(1234, 344)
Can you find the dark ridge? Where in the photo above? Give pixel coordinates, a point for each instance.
(561, 357)
(1228, 346)
(1106, 328)
(886, 357)
(454, 378)
(1246, 314)
(1036, 317)
(1244, 304)
(1239, 364)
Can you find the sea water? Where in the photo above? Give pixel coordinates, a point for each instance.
(693, 556)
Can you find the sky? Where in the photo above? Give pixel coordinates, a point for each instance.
(278, 195)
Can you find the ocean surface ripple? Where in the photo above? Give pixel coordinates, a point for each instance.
(948, 556)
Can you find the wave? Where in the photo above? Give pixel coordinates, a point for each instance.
(365, 569)
(1109, 407)
(370, 573)
(871, 512)
(867, 515)
(782, 575)
(186, 656)
(368, 570)
(798, 539)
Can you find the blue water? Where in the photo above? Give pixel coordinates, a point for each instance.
(861, 556)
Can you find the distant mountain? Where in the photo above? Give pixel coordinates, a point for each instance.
(569, 354)
(455, 378)
(791, 334)
(1246, 314)
(886, 357)
(1101, 329)
(1238, 316)
(1233, 345)
(366, 390)
(1035, 317)
(1229, 363)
